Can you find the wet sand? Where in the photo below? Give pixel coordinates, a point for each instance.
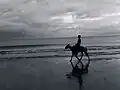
(50, 74)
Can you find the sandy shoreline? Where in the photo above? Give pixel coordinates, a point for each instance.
(50, 74)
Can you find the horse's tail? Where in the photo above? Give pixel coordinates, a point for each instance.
(85, 49)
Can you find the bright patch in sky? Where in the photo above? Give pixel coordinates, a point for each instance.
(67, 18)
(112, 14)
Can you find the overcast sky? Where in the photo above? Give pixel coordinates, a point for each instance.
(55, 18)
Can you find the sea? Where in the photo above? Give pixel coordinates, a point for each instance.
(99, 47)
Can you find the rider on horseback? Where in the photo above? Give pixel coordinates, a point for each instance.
(79, 41)
(76, 49)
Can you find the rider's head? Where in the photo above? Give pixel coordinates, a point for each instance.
(79, 36)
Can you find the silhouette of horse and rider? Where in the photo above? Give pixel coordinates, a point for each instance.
(76, 71)
(75, 49)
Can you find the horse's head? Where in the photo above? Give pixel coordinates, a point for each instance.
(67, 46)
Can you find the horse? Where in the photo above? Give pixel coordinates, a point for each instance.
(75, 50)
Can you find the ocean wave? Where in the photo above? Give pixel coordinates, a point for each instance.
(52, 49)
(95, 49)
(28, 46)
(102, 57)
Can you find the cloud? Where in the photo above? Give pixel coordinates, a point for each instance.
(54, 17)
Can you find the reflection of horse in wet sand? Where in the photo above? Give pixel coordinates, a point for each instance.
(76, 71)
(75, 50)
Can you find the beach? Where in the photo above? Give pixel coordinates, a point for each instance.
(45, 64)
(33, 36)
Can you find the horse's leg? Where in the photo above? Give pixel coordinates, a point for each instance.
(71, 61)
(79, 60)
(88, 60)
